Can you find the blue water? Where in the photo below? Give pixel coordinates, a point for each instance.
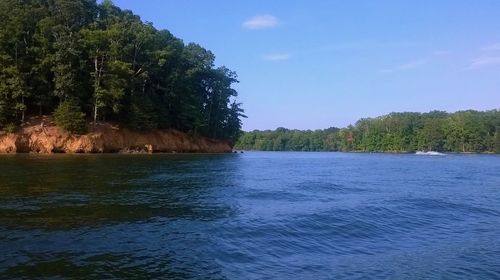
(258, 215)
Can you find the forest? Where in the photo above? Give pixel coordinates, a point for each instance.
(463, 131)
(86, 62)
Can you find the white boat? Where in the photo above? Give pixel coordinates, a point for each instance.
(429, 153)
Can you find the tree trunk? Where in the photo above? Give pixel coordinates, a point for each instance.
(95, 112)
(96, 87)
(22, 114)
(98, 75)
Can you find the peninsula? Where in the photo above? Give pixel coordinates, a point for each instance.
(82, 76)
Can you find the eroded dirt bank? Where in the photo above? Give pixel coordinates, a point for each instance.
(104, 138)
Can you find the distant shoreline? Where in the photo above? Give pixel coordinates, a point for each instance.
(375, 152)
(399, 132)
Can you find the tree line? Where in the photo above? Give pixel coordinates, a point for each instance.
(463, 131)
(91, 62)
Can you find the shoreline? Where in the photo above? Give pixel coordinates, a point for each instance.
(378, 152)
(105, 138)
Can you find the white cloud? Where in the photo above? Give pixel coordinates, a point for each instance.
(406, 66)
(492, 47)
(277, 57)
(261, 22)
(485, 61)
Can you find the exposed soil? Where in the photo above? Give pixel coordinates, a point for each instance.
(41, 135)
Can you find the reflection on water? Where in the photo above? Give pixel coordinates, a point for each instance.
(112, 215)
(76, 191)
(249, 216)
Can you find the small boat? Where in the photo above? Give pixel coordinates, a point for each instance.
(429, 153)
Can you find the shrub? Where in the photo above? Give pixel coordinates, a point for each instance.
(69, 116)
(10, 128)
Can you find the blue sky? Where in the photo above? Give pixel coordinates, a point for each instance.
(316, 64)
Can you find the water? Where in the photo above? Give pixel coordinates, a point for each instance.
(250, 216)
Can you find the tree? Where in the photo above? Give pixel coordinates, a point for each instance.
(12, 95)
(69, 116)
(111, 66)
(465, 131)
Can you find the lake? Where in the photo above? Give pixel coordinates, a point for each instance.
(257, 215)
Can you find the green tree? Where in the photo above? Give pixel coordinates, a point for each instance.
(69, 116)
(113, 66)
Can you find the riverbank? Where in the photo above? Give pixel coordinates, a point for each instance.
(41, 135)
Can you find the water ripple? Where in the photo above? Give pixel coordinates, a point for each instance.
(250, 216)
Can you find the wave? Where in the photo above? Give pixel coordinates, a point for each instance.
(429, 153)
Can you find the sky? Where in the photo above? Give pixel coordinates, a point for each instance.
(317, 64)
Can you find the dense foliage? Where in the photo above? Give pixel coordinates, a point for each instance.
(464, 131)
(69, 116)
(112, 66)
